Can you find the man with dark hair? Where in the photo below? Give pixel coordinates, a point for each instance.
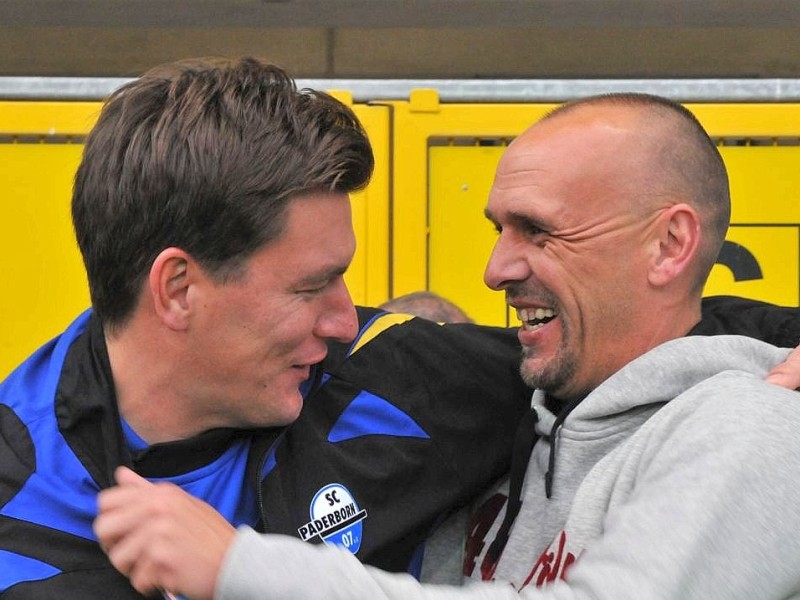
(185, 156)
(215, 274)
(655, 461)
(211, 208)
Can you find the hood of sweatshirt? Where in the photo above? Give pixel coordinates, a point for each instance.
(630, 396)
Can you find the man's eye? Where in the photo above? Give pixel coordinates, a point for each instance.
(531, 228)
(534, 230)
(312, 291)
(317, 289)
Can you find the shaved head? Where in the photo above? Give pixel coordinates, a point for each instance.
(677, 160)
(610, 212)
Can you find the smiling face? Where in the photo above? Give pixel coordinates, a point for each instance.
(253, 340)
(572, 252)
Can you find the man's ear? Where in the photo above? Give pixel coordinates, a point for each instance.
(676, 246)
(171, 275)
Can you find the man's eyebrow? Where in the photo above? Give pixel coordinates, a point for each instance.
(324, 275)
(515, 218)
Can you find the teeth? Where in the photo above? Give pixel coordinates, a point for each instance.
(533, 319)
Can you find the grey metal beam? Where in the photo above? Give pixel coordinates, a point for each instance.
(454, 90)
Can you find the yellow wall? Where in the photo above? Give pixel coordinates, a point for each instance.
(40, 266)
(419, 224)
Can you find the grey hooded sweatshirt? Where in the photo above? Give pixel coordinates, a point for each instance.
(677, 478)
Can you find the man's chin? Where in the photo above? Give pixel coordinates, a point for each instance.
(551, 378)
(291, 411)
(281, 412)
(531, 375)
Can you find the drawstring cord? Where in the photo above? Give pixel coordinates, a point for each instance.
(554, 434)
(524, 440)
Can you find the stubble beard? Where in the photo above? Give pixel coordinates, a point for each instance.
(554, 376)
(551, 375)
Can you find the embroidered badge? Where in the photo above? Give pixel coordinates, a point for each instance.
(335, 518)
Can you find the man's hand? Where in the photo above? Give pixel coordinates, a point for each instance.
(787, 374)
(161, 537)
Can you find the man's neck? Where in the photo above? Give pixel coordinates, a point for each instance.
(148, 388)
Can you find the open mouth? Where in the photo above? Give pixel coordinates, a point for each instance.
(534, 318)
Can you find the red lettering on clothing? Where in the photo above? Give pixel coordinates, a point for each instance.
(479, 525)
(552, 564)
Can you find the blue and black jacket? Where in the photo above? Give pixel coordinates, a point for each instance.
(378, 437)
(408, 423)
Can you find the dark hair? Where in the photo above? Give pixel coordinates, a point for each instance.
(688, 162)
(205, 156)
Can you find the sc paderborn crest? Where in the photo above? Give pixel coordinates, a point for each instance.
(335, 518)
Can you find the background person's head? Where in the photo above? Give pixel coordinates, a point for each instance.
(427, 305)
(205, 156)
(611, 212)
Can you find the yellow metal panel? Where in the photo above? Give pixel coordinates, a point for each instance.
(748, 120)
(48, 118)
(461, 237)
(765, 183)
(412, 132)
(768, 270)
(424, 100)
(41, 269)
(368, 275)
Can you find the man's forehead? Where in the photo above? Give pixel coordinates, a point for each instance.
(317, 231)
(582, 135)
(537, 153)
(599, 116)
(551, 167)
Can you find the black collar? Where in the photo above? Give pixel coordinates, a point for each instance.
(88, 417)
